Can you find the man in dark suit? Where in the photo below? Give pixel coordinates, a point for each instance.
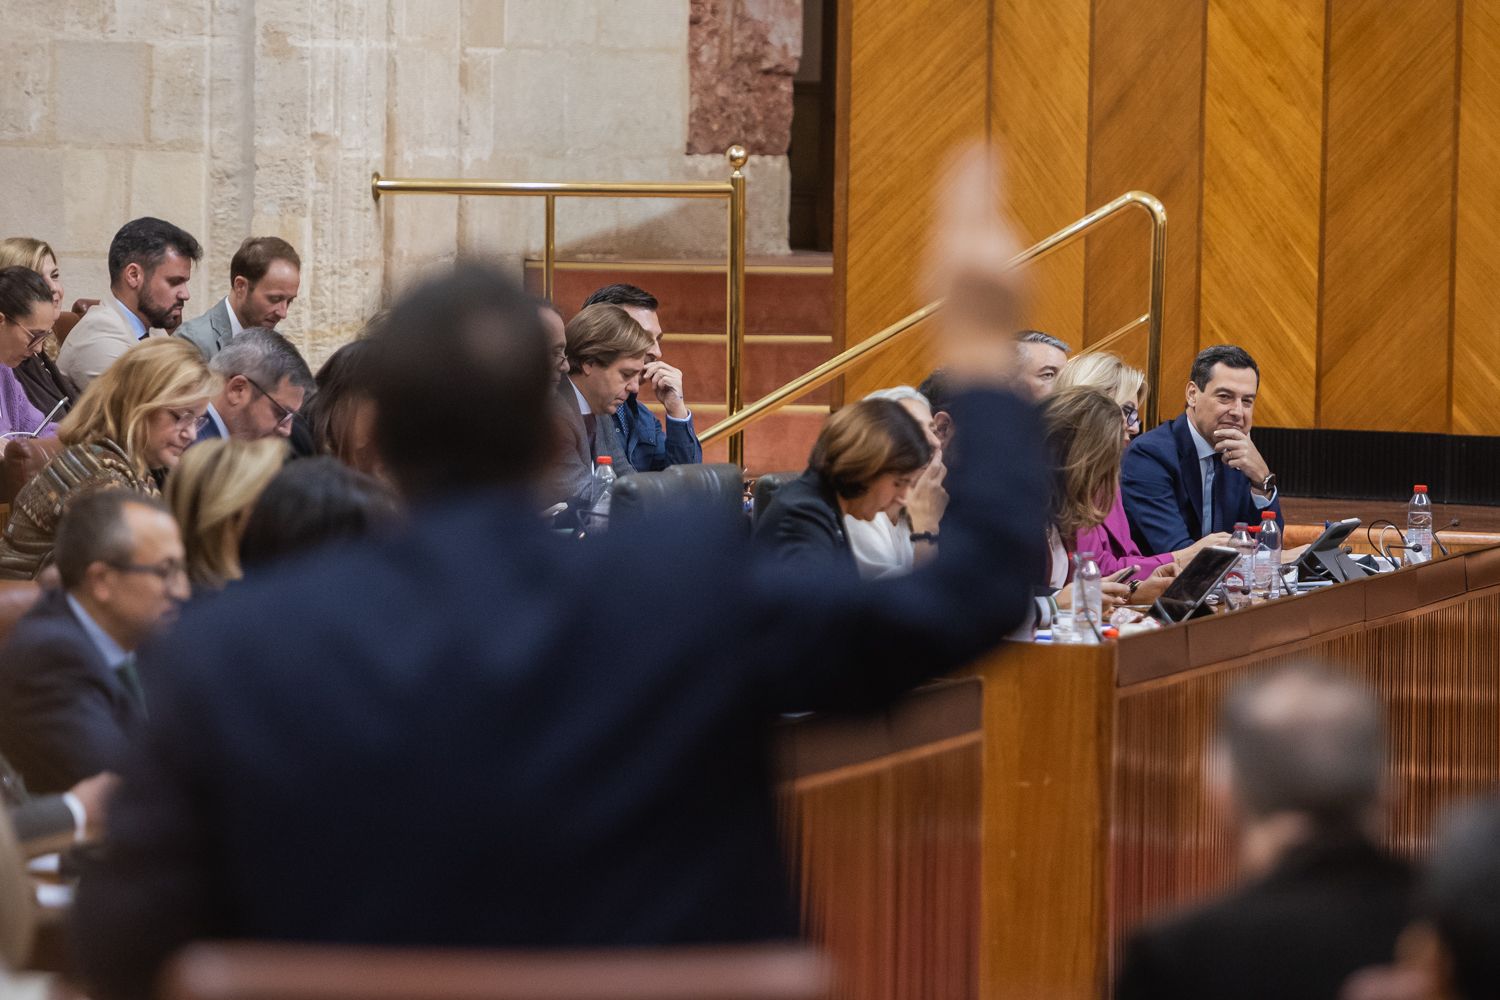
(1200, 473)
(265, 383)
(646, 445)
(440, 743)
(70, 696)
(1299, 764)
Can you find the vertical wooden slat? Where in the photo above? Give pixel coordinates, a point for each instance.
(1388, 216)
(1146, 133)
(1262, 148)
(1041, 121)
(1476, 318)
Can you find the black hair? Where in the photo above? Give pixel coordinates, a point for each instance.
(21, 289)
(145, 241)
(1459, 892)
(312, 502)
(1221, 354)
(621, 294)
(342, 382)
(938, 390)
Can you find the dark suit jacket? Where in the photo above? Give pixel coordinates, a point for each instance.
(440, 742)
(804, 527)
(64, 714)
(574, 470)
(1326, 911)
(1163, 491)
(649, 448)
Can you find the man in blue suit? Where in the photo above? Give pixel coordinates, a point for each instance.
(646, 445)
(265, 383)
(439, 743)
(1200, 473)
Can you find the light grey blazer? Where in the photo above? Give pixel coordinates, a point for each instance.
(211, 331)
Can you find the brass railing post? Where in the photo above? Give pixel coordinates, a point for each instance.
(734, 360)
(1154, 311)
(549, 248)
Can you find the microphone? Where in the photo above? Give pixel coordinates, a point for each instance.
(1441, 547)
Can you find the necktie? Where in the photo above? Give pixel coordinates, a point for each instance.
(132, 681)
(1210, 474)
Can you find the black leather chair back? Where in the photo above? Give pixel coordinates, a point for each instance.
(636, 496)
(766, 487)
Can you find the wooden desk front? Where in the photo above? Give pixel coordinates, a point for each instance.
(997, 836)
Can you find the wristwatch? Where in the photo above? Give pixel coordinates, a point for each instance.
(1269, 484)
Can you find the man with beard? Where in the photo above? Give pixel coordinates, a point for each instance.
(150, 262)
(1200, 473)
(265, 276)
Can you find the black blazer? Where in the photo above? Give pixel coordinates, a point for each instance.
(804, 527)
(443, 742)
(1326, 911)
(64, 714)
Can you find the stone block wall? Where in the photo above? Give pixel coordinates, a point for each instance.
(232, 117)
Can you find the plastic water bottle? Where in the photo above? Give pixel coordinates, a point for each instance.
(1418, 528)
(1268, 556)
(1238, 581)
(599, 492)
(1088, 597)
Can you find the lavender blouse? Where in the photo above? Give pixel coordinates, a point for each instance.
(16, 411)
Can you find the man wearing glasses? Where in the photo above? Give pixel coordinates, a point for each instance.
(70, 697)
(265, 382)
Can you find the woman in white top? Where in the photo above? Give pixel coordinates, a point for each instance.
(892, 542)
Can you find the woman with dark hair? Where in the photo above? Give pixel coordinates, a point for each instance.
(342, 412)
(312, 502)
(27, 313)
(866, 460)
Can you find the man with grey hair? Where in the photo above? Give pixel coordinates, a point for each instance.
(1298, 765)
(1042, 357)
(265, 383)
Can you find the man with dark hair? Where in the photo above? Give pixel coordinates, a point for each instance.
(265, 275)
(1298, 765)
(265, 383)
(150, 263)
(1042, 357)
(69, 692)
(454, 695)
(1200, 473)
(938, 392)
(647, 447)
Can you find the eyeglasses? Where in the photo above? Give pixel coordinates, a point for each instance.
(34, 337)
(1131, 414)
(286, 414)
(167, 570)
(187, 420)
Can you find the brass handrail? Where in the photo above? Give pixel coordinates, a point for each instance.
(732, 190)
(835, 366)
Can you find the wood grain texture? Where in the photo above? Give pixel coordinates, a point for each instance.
(1476, 294)
(1147, 133)
(918, 79)
(1041, 120)
(1383, 361)
(1262, 199)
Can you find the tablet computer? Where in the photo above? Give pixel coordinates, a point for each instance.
(1184, 598)
(1326, 559)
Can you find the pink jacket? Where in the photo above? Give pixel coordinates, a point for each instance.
(1113, 547)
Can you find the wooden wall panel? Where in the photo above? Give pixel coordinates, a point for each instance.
(1262, 159)
(1041, 120)
(1388, 215)
(1147, 134)
(1476, 295)
(918, 83)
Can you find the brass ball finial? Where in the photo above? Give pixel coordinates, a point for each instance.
(738, 156)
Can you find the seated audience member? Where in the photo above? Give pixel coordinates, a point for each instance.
(937, 389)
(1042, 357)
(448, 696)
(1111, 542)
(46, 386)
(866, 461)
(894, 540)
(70, 697)
(647, 447)
(47, 823)
(606, 355)
(341, 413)
(211, 494)
(150, 264)
(1458, 939)
(26, 318)
(264, 383)
(265, 275)
(129, 428)
(557, 336)
(1298, 763)
(312, 503)
(1200, 473)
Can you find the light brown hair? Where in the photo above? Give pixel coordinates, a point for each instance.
(256, 255)
(600, 334)
(862, 442)
(1085, 439)
(211, 493)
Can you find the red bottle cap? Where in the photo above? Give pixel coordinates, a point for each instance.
(1111, 633)
(1268, 515)
(604, 460)
(1419, 489)
(1254, 529)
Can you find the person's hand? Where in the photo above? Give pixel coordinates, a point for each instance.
(1182, 557)
(928, 499)
(1291, 555)
(1168, 570)
(1116, 595)
(969, 268)
(1153, 587)
(667, 381)
(94, 795)
(1239, 452)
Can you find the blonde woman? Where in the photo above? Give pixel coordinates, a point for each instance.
(1113, 547)
(211, 494)
(45, 386)
(128, 431)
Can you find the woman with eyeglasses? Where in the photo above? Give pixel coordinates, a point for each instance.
(128, 430)
(26, 318)
(45, 386)
(1113, 547)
